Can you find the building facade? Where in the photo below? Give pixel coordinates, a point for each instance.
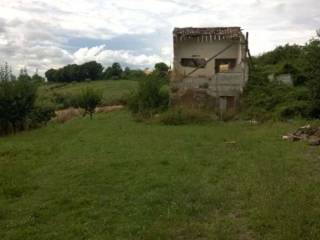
(210, 67)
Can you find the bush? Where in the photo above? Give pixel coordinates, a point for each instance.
(270, 100)
(151, 97)
(133, 74)
(88, 100)
(276, 101)
(64, 101)
(295, 109)
(17, 99)
(181, 116)
(40, 115)
(264, 99)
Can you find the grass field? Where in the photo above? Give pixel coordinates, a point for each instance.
(114, 178)
(112, 90)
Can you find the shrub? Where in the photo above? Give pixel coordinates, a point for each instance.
(40, 115)
(64, 101)
(88, 100)
(277, 101)
(151, 97)
(133, 74)
(265, 99)
(292, 110)
(180, 116)
(17, 100)
(36, 78)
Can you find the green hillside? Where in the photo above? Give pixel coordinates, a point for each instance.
(113, 90)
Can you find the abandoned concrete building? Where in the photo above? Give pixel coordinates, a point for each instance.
(210, 67)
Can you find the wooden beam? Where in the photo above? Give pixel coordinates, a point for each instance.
(248, 50)
(210, 59)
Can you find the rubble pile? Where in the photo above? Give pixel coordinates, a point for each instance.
(308, 133)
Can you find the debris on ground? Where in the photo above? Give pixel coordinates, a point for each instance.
(308, 133)
(253, 122)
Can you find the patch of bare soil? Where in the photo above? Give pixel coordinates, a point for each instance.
(108, 109)
(68, 114)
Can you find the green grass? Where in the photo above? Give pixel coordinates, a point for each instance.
(114, 178)
(112, 90)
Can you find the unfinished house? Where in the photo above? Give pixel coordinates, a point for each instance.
(210, 67)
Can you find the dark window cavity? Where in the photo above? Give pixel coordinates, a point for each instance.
(193, 62)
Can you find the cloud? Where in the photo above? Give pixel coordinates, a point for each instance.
(43, 34)
(107, 57)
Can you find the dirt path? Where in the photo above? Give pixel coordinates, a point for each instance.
(65, 115)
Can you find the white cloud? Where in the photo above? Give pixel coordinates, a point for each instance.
(107, 57)
(37, 33)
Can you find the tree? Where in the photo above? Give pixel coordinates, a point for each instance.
(17, 99)
(126, 70)
(37, 78)
(107, 74)
(89, 99)
(312, 70)
(50, 75)
(91, 70)
(116, 70)
(24, 76)
(161, 69)
(113, 72)
(5, 72)
(73, 72)
(13, 77)
(23, 71)
(126, 73)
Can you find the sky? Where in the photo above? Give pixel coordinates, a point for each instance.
(44, 34)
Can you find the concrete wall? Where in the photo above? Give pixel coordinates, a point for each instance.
(205, 80)
(284, 78)
(189, 48)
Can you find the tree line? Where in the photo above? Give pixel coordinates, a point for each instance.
(95, 71)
